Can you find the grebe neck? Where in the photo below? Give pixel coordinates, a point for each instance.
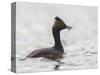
(58, 44)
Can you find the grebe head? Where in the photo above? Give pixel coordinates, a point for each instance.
(59, 24)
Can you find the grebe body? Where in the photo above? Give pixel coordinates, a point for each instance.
(57, 50)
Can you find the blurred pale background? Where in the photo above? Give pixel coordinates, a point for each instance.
(34, 24)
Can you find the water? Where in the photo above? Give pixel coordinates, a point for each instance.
(79, 56)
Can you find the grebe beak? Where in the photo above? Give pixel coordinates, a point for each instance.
(69, 27)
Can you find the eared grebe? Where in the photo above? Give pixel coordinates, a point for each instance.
(57, 51)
